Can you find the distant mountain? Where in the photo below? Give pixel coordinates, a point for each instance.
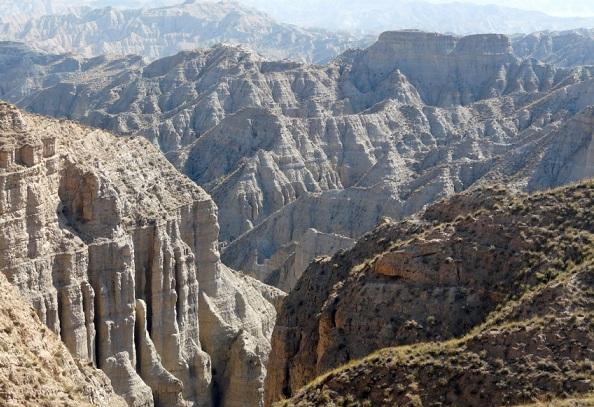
(34, 8)
(565, 48)
(159, 32)
(382, 15)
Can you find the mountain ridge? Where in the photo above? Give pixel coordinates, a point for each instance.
(287, 147)
(159, 32)
(118, 254)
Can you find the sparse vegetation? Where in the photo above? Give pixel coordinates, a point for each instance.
(533, 256)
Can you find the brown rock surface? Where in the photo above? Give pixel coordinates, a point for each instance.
(488, 295)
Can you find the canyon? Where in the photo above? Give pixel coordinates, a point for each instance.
(201, 206)
(289, 150)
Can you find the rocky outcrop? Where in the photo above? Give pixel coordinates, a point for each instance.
(164, 31)
(508, 364)
(489, 291)
(289, 262)
(36, 368)
(285, 147)
(446, 70)
(118, 254)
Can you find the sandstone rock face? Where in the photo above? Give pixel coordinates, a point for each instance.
(285, 147)
(118, 253)
(159, 32)
(509, 275)
(36, 368)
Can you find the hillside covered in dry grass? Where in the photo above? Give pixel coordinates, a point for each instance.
(485, 300)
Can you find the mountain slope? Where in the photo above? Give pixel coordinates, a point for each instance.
(118, 254)
(285, 148)
(490, 292)
(159, 32)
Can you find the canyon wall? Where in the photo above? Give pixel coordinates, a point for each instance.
(35, 366)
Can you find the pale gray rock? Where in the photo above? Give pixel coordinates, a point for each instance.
(126, 381)
(289, 261)
(561, 48)
(35, 366)
(285, 147)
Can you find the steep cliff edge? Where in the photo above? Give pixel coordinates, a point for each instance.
(488, 295)
(36, 368)
(118, 253)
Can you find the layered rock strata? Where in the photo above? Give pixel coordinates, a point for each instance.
(118, 254)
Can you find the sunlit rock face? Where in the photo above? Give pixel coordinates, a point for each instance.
(118, 254)
(486, 288)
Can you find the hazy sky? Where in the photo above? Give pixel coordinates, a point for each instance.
(581, 8)
(584, 8)
(554, 7)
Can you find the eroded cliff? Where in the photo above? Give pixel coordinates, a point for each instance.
(118, 253)
(35, 366)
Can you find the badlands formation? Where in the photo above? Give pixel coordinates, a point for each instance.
(118, 254)
(484, 298)
(563, 48)
(300, 159)
(36, 368)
